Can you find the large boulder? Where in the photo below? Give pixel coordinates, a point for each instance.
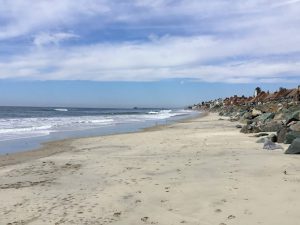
(294, 116)
(265, 117)
(291, 136)
(295, 126)
(279, 116)
(256, 112)
(271, 126)
(247, 116)
(281, 133)
(294, 147)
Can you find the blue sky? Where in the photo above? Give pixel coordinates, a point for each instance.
(110, 53)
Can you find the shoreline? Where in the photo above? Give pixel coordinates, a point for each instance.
(24, 131)
(49, 148)
(201, 171)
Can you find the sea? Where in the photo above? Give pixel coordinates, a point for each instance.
(26, 128)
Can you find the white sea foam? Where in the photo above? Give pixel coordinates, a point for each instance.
(61, 110)
(17, 128)
(153, 112)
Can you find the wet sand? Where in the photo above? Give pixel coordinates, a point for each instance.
(200, 171)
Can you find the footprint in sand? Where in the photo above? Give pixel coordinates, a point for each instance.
(230, 217)
(167, 189)
(145, 219)
(117, 214)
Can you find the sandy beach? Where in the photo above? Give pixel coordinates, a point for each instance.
(197, 172)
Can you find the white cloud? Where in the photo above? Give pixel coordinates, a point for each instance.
(26, 17)
(166, 58)
(54, 38)
(228, 41)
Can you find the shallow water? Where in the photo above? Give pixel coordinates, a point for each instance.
(25, 128)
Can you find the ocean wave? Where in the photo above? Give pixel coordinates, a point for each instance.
(15, 128)
(153, 112)
(25, 129)
(61, 110)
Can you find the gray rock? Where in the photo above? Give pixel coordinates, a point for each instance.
(262, 140)
(272, 126)
(269, 145)
(248, 122)
(250, 129)
(265, 117)
(294, 147)
(295, 127)
(273, 137)
(238, 126)
(279, 116)
(256, 112)
(234, 119)
(247, 116)
(245, 129)
(281, 134)
(295, 116)
(291, 136)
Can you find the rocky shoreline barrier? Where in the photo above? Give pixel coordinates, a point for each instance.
(274, 117)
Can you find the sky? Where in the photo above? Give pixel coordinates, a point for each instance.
(125, 53)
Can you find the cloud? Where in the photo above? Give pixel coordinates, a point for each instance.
(169, 57)
(212, 41)
(21, 17)
(55, 38)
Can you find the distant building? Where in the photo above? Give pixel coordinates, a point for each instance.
(257, 91)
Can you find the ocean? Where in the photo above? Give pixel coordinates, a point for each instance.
(25, 128)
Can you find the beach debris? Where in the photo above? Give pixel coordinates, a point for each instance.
(269, 145)
(294, 147)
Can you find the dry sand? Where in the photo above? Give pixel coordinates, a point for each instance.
(200, 172)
